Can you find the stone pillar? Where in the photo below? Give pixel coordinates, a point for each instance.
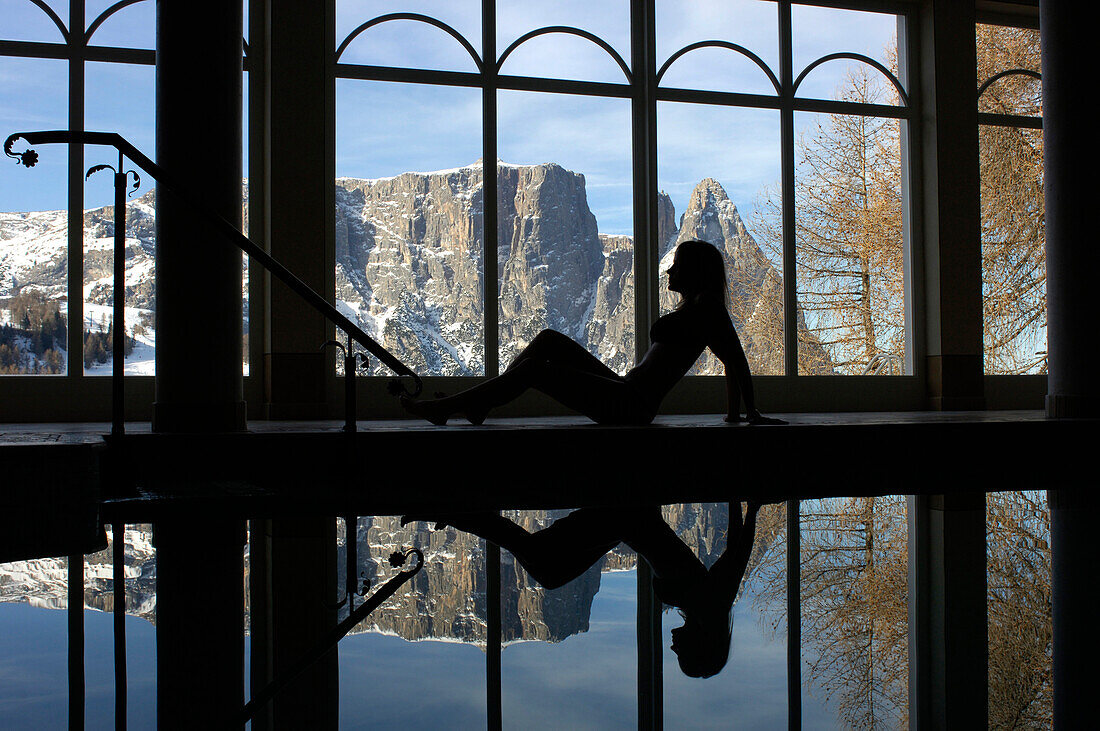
(301, 204)
(301, 583)
(1073, 593)
(948, 646)
(198, 141)
(1069, 188)
(200, 632)
(200, 622)
(951, 205)
(1072, 386)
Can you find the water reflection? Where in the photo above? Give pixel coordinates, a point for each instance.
(572, 650)
(572, 545)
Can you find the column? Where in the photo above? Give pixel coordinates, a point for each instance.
(1072, 388)
(951, 218)
(198, 142)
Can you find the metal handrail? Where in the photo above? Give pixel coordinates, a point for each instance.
(111, 139)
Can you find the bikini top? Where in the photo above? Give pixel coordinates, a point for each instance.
(690, 327)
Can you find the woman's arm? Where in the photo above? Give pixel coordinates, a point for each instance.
(726, 345)
(729, 569)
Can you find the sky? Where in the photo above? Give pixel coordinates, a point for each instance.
(384, 129)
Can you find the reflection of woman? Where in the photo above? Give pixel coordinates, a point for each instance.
(564, 370)
(567, 548)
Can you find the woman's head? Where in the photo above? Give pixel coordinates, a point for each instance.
(702, 645)
(698, 270)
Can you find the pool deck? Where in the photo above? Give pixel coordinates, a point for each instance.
(286, 468)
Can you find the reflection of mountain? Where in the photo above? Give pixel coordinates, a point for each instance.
(444, 601)
(43, 582)
(409, 253)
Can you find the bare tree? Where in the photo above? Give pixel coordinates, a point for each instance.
(854, 618)
(1013, 211)
(848, 229)
(1020, 622)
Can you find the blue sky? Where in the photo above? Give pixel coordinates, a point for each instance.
(385, 129)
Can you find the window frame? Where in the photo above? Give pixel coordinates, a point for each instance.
(702, 394)
(76, 395)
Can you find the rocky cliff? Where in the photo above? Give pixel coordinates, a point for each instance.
(409, 266)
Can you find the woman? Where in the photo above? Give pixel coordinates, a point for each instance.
(563, 551)
(565, 371)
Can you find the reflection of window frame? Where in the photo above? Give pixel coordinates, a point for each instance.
(644, 92)
(1013, 121)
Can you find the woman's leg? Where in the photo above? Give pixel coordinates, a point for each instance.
(554, 555)
(555, 365)
(553, 347)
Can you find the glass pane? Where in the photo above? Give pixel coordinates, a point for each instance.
(818, 32)
(720, 166)
(34, 222)
(24, 21)
(751, 24)
(140, 570)
(854, 581)
(743, 674)
(559, 55)
(410, 43)
(34, 643)
(849, 245)
(133, 26)
(34, 637)
(1003, 49)
(570, 649)
(566, 224)
(433, 630)
(409, 244)
(1014, 315)
(120, 98)
(1020, 627)
(1013, 240)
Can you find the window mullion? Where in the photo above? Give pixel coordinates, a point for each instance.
(786, 115)
(489, 225)
(74, 366)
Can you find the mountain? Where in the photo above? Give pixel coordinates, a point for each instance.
(409, 267)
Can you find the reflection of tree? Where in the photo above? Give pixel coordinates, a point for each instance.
(853, 603)
(854, 573)
(1020, 630)
(1013, 212)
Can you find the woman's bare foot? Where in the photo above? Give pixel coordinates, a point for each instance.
(425, 410)
(438, 415)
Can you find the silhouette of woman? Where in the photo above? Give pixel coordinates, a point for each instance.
(567, 372)
(563, 551)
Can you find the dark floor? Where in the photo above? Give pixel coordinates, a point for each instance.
(396, 467)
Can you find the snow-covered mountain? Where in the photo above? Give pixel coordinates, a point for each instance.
(409, 252)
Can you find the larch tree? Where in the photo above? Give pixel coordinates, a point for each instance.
(848, 230)
(1012, 208)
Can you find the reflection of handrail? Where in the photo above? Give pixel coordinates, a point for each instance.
(880, 362)
(227, 229)
(337, 633)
